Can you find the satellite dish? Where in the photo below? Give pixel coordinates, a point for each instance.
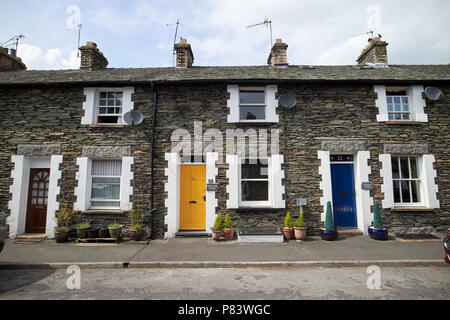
(433, 93)
(133, 117)
(287, 100)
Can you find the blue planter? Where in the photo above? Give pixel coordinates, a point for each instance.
(378, 234)
(328, 235)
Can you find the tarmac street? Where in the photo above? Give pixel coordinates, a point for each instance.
(228, 283)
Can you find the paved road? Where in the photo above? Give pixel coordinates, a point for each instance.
(206, 283)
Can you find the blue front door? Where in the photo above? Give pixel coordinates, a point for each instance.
(343, 188)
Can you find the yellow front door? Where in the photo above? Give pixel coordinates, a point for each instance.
(192, 197)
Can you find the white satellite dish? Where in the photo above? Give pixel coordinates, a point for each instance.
(287, 100)
(133, 117)
(433, 93)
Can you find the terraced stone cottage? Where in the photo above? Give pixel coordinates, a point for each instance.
(64, 138)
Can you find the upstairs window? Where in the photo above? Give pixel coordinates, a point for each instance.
(252, 105)
(398, 104)
(106, 106)
(109, 109)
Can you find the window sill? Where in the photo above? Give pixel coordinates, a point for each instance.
(409, 209)
(106, 126)
(259, 123)
(104, 211)
(254, 209)
(403, 122)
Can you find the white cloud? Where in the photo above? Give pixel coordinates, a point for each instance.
(342, 54)
(52, 59)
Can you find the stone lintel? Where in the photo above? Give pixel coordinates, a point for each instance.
(406, 149)
(42, 150)
(103, 152)
(343, 145)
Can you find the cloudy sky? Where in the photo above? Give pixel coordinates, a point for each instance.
(134, 33)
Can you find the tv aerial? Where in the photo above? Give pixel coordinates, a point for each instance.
(433, 93)
(12, 41)
(174, 38)
(266, 22)
(368, 32)
(133, 117)
(287, 100)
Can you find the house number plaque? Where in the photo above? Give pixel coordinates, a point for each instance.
(211, 186)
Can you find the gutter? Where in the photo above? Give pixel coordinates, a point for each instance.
(152, 201)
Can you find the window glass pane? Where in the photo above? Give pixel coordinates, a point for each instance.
(405, 103)
(395, 170)
(391, 116)
(40, 201)
(255, 190)
(118, 102)
(397, 191)
(397, 104)
(414, 173)
(110, 102)
(105, 190)
(397, 116)
(415, 191)
(106, 168)
(108, 119)
(404, 168)
(102, 110)
(389, 104)
(250, 170)
(102, 102)
(251, 97)
(252, 113)
(405, 191)
(406, 116)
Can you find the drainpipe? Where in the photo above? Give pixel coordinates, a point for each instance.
(153, 158)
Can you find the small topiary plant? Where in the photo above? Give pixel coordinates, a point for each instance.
(329, 224)
(218, 223)
(300, 222)
(288, 220)
(377, 223)
(228, 223)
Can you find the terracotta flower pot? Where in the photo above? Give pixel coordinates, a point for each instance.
(217, 235)
(300, 233)
(135, 235)
(288, 233)
(228, 234)
(61, 237)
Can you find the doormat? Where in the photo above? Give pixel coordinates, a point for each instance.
(417, 236)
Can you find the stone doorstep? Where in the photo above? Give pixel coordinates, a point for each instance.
(349, 231)
(29, 236)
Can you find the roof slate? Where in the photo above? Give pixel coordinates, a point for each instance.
(230, 74)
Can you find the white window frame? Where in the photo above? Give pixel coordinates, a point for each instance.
(263, 105)
(427, 174)
(91, 178)
(90, 106)
(253, 204)
(98, 106)
(416, 103)
(271, 103)
(401, 112)
(420, 187)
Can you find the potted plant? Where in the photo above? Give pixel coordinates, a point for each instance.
(92, 232)
(82, 229)
(228, 230)
(103, 232)
(300, 227)
(376, 231)
(137, 216)
(64, 219)
(328, 232)
(288, 229)
(217, 230)
(115, 230)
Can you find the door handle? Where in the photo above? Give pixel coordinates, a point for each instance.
(192, 201)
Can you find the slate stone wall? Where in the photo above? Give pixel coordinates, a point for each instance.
(325, 115)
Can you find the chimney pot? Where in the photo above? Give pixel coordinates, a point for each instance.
(185, 57)
(374, 52)
(92, 58)
(278, 56)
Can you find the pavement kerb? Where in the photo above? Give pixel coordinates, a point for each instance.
(227, 264)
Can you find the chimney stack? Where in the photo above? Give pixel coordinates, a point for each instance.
(92, 58)
(9, 61)
(277, 56)
(374, 52)
(185, 57)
